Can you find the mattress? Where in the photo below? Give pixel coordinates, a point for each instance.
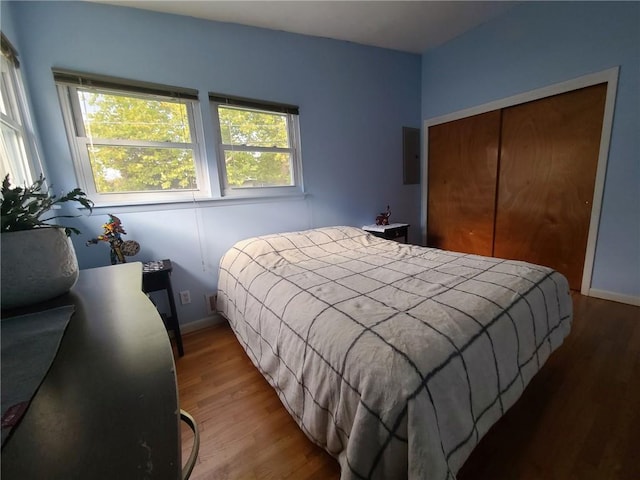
(395, 358)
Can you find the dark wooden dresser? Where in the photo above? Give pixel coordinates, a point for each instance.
(108, 407)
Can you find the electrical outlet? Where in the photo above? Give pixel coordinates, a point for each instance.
(210, 302)
(185, 297)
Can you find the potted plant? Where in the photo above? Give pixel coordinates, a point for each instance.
(38, 258)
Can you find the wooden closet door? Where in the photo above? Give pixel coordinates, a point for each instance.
(548, 161)
(462, 173)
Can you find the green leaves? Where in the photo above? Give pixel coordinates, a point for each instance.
(144, 144)
(127, 117)
(257, 129)
(138, 144)
(138, 169)
(21, 208)
(258, 168)
(264, 131)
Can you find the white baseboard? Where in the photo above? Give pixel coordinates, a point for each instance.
(615, 297)
(205, 322)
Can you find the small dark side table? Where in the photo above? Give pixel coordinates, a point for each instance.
(156, 276)
(392, 231)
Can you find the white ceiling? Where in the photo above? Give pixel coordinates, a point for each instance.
(410, 26)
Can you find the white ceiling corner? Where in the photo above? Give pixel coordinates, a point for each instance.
(410, 26)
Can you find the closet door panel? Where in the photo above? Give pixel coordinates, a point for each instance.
(548, 161)
(462, 173)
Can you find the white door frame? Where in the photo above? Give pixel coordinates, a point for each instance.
(610, 77)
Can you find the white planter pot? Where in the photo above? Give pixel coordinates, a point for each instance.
(37, 265)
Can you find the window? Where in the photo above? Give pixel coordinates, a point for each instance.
(18, 153)
(133, 142)
(259, 146)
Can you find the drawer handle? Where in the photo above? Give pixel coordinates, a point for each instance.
(191, 462)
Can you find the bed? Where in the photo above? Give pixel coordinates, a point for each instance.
(394, 358)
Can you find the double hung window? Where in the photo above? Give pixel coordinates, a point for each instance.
(136, 142)
(133, 142)
(18, 153)
(258, 146)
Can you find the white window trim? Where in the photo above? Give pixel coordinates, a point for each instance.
(78, 142)
(293, 126)
(23, 127)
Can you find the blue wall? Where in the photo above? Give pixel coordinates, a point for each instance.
(536, 44)
(8, 26)
(354, 101)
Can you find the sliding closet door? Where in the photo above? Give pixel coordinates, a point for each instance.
(462, 173)
(548, 161)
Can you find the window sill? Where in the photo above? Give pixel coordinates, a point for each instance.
(104, 208)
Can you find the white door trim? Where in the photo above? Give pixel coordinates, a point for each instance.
(610, 77)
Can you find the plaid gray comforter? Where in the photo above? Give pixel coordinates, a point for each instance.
(394, 358)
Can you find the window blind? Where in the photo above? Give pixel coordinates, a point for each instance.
(252, 103)
(102, 81)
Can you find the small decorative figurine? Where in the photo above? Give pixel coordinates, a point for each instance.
(383, 218)
(113, 232)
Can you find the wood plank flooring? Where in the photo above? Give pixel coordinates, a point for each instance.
(579, 418)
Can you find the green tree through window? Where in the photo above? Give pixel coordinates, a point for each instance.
(256, 147)
(137, 143)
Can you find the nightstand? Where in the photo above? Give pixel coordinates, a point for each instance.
(156, 276)
(393, 231)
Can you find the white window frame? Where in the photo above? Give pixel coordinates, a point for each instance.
(79, 142)
(294, 149)
(23, 161)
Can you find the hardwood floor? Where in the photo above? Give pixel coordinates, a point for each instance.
(579, 418)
